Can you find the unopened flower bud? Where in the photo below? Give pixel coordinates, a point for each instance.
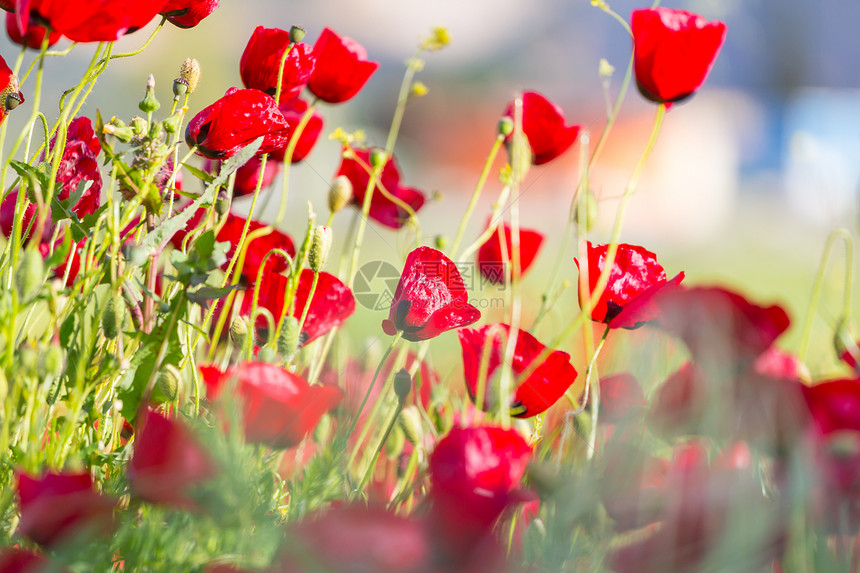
(340, 193)
(395, 443)
(113, 316)
(506, 126)
(402, 384)
(845, 343)
(441, 242)
(167, 384)
(149, 103)
(320, 247)
(589, 203)
(418, 89)
(411, 424)
(378, 157)
(222, 203)
(288, 338)
(238, 332)
(520, 155)
(297, 34)
(118, 129)
(139, 125)
(30, 274)
(190, 73)
(171, 124)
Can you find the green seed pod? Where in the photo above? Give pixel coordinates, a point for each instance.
(288, 338)
(149, 103)
(113, 316)
(402, 384)
(378, 157)
(31, 273)
(320, 247)
(238, 332)
(190, 72)
(441, 242)
(297, 33)
(412, 425)
(506, 126)
(340, 193)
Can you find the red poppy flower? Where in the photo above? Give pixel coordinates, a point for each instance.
(673, 52)
(544, 386)
(188, 13)
(494, 262)
(544, 126)
(382, 209)
(18, 560)
(262, 57)
(356, 538)
(475, 475)
(167, 462)
(58, 507)
(635, 279)
(293, 111)
(342, 67)
(331, 305)
(430, 298)
(90, 21)
(234, 121)
(620, 395)
(720, 327)
(34, 36)
(79, 164)
(279, 407)
(248, 176)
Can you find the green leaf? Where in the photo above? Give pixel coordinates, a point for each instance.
(158, 236)
(203, 295)
(199, 173)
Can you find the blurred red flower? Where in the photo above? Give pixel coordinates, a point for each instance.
(330, 306)
(262, 58)
(547, 382)
(636, 277)
(293, 111)
(355, 538)
(168, 462)
(494, 263)
(430, 298)
(188, 13)
(18, 560)
(342, 67)
(620, 396)
(90, 20)
(33, 37)
(673, 52)
(279, 407)
(382, 209)
(544, 126)
(475, 475)
(234, 121)
(58, 508)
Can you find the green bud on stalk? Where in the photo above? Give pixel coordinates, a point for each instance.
(320, 246)
(340, 193)
(139, 125)
(167, 385)
(149, 103)
(112, 318)
(288, 338)
(395, 443)
(441, 242)
(411, 423)
(297, 34)
(238, 332)
(378, 157)
(506, 126)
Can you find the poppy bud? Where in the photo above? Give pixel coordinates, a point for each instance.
(297, 34)
(167, 384)
(506, 126)
(843, 342)
(31, 273)
(112, 318)
(395, 443)
(320, 247)
(441, 242)
(222, 203)
(288, 338)
(410, 423)
(238, 332)
(402, 384)
(149, 103)
(171, 124)
(340, 193)
(189, 73)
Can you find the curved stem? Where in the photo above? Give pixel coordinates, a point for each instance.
(818, 285)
